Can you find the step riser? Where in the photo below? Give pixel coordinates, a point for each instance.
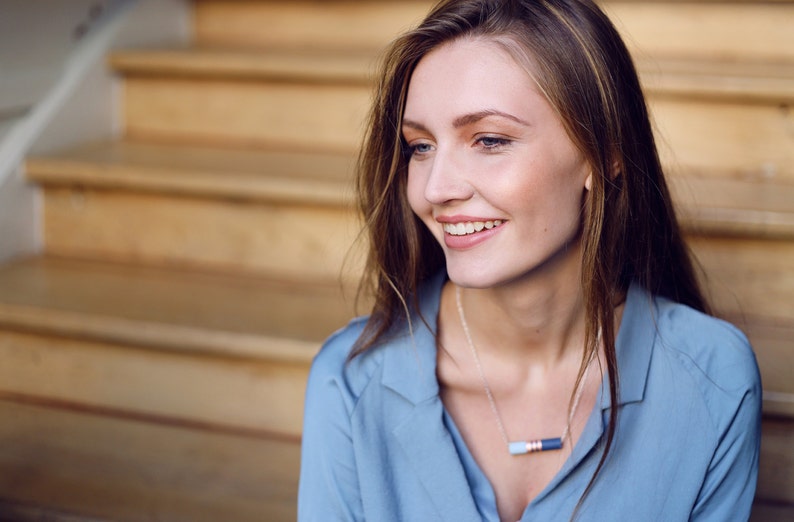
(743, 30)
(347, 24)
(116, 469)
(317, 117)
(751, 283)
(248, 396)
(721, 30)
(287, 240)
(709, 134)
(752, 138)
(63, 370)
(748, 276)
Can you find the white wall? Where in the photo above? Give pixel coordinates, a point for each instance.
(60, 92)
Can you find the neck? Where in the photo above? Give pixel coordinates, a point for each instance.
(540, 319)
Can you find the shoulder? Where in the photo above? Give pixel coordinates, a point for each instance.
(715, 355)
(332, 367)
(715, 347)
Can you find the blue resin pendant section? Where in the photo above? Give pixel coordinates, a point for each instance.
(522, 447)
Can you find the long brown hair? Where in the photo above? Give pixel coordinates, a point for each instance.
(630, 233)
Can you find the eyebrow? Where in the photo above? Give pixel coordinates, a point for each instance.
(468, 119)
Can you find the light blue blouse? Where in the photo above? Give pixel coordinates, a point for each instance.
(379, 446)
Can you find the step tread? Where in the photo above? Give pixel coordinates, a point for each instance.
(312, 178)
(728, 203)
(352, 66)
(105, 468)
(734, 204)
(174, 309)
(668, 75)
(117, 469)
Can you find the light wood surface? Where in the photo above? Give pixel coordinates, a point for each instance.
(321, 117)
(743, 30)
(691, 77)
(714, 115)
(739, 204)
(312, 66)
(288, 240)
(725, 136)
(346, 24)
(715, 30)
(116, 469)
(202, 349)
(70, 462)
(169, 385)
(190, 311)
(241, 174)
(775, 480)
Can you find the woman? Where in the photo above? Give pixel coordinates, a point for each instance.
(528, 274)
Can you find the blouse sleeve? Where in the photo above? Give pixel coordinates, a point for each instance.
(329, 489)
(729, 487)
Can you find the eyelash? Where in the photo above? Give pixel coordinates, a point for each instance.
(411, 150)
(496, 142)
(489, 143)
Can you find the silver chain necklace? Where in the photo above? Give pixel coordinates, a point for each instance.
(520, 447)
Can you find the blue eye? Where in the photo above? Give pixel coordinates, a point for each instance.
(492, 142)
(419, 149)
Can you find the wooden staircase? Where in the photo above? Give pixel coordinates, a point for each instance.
(156, 351)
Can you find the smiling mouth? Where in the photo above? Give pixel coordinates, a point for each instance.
(470, 227)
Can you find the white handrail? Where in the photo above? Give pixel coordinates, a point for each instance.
(22, 135)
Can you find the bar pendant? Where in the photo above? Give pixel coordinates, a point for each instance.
(522, 447)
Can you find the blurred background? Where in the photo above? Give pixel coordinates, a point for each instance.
(176, 231)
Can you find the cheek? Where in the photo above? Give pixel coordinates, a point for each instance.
(415, 191)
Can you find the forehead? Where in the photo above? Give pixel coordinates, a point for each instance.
(470, 74)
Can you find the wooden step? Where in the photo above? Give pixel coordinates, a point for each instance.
(736, 204)
(225, 352)
(91, 467)
(730, 30)
(346, 24)
(743, 30)
(756, 80)
(775, 480)
(283, 64)
(712, 115)
(241, 174)
(725, 136)
(761, 81)
(255, 211)
(750, 282)
(294, 114)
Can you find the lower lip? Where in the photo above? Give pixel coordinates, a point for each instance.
(470, 240)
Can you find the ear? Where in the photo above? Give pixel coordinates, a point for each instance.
(588, 182)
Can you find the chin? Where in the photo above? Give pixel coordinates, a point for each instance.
(474, 278)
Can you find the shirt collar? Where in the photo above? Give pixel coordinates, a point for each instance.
(417, 353)
(415, 348)
(633, 346)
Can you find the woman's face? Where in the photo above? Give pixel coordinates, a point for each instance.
(492, 171)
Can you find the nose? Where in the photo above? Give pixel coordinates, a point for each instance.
(446, 180)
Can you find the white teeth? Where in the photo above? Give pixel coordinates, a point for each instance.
(470, 227)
